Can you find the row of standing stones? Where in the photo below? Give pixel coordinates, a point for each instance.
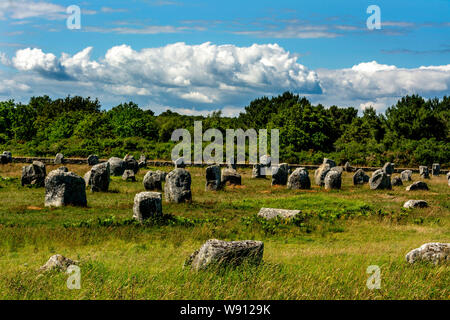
(63, 187)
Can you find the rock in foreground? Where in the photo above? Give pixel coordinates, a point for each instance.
(64, 188)
(415, 204)
(270, 213)
(34, 174)
(434, 252)
(147, 205)
(58, 262)
(217, 252)
(419, 185)
(178, 186)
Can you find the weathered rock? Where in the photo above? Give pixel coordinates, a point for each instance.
(388, 168)
(419, 185)
(92, 160)
(332, 163)
(231, 164)
(59, 158)
(3, 159)
(128, 175)
(8, 156)
(397, 181)
(348, 167)
(299, 179)
(131, 163)
(415, 204)
(153, 180)
(147, 205)
(280, 174)
(333, 179)
(58, 262)
(217, 252)
(231, 177)
(271, 213)
(360, 177)
(178, 186)
(64, 188)
(432, 252)
(436, 169)
(179, 163)
(380, 180)
(163, 175)
(34, 174)
(63, 169)
(256, 171)
(424, 173)
(213, 178)
(265, 161)
(142, 161)
(406, 175)
(117, 166)
(320, 173)
(98, 178)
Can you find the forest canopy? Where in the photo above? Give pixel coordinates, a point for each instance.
(413, 131)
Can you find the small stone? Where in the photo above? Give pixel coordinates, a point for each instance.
(434, 252)
(131, 163)
(397, 181)
(270, 213)
(231, 177)
(415, 204)
(58, 262)
(98, 178)
(59, 158)
(332, 163)
(117, 166)
(406, 175)
(280, 174)
(419, 185)
(179, 163)
(256, 171)
(213, 178)
(147, 205)
(63, 169)
(299, 179)
(388, 168)
(424, 173)
(128, 175)
(92, 160)
(34, 174)
(153, 180)
(320, 174)
(436, 169)
(360, 177)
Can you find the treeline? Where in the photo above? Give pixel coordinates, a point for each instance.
(412, 132)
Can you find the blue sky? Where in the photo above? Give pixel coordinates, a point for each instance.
(198, 56)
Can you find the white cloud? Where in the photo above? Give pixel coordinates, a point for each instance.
(23, 9)
(36, 60)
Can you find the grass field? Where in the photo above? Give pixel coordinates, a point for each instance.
(322, 255)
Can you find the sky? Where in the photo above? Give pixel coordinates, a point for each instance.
(194, 57)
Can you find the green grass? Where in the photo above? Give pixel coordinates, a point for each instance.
(323, 254)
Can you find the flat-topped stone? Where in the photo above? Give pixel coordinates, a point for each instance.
(271, 213)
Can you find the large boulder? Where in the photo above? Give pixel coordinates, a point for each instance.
(131, 164)
(434, 252)
(271, 213)
(436, 169)
(380, 180)
(92, 160)
(59, 158)
(117, 166)
(280, 174)
(147, 205)
(213, 178)
(34, 174)
(360, 177)
(333, 179)
(424, 173)
(406, 175)
(415, 204)
(98, 178)
(388, 168)
(419, 185)
(397, 181)
(64, 188)
(58, 262)
(231, 177)
(8, 156)
(178, 186)
(153, 180)
(299, 179)
(128, 175)
(217, 252)
(320, 174)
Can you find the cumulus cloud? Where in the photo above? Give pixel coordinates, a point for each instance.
(23, 9)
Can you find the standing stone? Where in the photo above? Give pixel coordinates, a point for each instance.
(380, 180)
(299, 179)
(213, 178)
(217, 252)
(434, 252)
(388, 168)
(8, 156)
(63, 169)
(333, 179)
(231, 177)
(117, 166)
(64, 188)
(178, 186)
(128, 175)
(419, 185)
(163, 175)
(406, 175)
(231, 164)
(270, 213)
(397, 181)
(320, 173)
(92, 160)
(3, 159)
(424, 173)
(256, 171)
(348, 167)
(360, 177)
(415, 204)
(34, 174)
(98, 178)
(436, 169)
(59, 158)
(131, 163)
(332, 163)
(280, 174)
(142, 161)
(179, 163)
(265, 161)
(147, 205)
(153, 180)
